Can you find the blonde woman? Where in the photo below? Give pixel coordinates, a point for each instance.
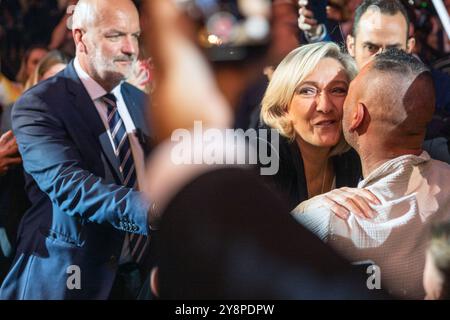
(304, 103)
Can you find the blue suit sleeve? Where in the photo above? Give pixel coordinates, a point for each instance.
(55, 163)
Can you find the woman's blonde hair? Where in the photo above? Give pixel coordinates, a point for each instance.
(294, 68)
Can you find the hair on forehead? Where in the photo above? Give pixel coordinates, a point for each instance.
(403, 69)
(292, 70)
(396, 61)
(388, 7)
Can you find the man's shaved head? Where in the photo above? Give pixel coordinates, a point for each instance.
(397, 94)
(89, 12)
(106, 35)
(84, 14)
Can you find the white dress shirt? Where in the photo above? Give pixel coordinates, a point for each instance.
(414, 195)
(96, 92)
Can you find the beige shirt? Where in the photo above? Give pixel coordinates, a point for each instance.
(414, 195)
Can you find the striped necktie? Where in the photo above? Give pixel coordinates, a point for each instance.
(122, 150)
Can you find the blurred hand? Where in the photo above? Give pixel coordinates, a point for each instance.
(140, 77)
(9, 152)
(186, 90)
(306, 21)
(342, 201)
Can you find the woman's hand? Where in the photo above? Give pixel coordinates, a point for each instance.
(345, 200)
(306, 21)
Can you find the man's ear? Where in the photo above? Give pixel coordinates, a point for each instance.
(154, 283)
(357, 117)
(410, 44)
(78, 38)
(351, 45)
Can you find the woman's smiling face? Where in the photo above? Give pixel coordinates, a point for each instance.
(316, 107)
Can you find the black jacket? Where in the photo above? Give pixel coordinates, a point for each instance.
(290, 180)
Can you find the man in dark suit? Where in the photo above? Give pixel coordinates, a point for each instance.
(82, 138)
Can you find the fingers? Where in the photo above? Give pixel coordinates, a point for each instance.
(9, 149)
(348, 201)
(12, 143)
(7, 163)
(13, 152)
(302, 3)
(8, 143)
(139, 73)
(306, 13)
(369, 196)
(7, 136)
(306, 21)
(365, 211)
(366, 194)
(353, 200)
(336, 208)
(144, 72)
(306, 24)
(9, 152)
(12, 161)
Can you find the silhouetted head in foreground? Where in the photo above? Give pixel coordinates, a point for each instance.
(237, 241)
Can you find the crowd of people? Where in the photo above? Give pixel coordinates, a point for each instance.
(93, 205)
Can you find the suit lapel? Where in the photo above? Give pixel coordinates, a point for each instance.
(85, 106)
(136, 110)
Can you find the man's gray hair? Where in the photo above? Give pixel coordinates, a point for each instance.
(84, 14)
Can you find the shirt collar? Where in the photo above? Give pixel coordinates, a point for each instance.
(394, 165)
(94, 89)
